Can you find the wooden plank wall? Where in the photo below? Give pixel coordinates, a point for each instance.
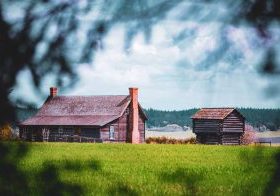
(56, 135)
(141, 127)
(122, 128)
(233, 123)
(231, 138)
(207, 126)
(121, 134)
(206, 138)
(31, 134)
(223, 138)
(104, 132)
(227, 131)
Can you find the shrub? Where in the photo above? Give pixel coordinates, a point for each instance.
(5, 132)
(192, 140)
(165, 140)
(249, 135)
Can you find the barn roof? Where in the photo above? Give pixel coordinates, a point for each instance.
(81, 110)
(213, 113)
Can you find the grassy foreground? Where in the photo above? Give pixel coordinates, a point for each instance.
(119, 169)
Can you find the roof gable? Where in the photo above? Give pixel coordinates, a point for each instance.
(214, 113)
(81, 110)
(84, 105)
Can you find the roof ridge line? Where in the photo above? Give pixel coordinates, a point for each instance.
(87, 95)
(76, 115)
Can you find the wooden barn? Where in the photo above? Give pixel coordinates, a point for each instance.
(109, 118)
(218, 126)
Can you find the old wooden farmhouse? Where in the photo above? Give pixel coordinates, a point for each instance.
(113, 118)
(218, 126)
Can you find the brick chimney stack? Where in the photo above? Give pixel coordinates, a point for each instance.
(134, 116)
(53, 91)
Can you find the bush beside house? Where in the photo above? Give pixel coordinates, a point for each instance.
(249, 135)
(6, 132)
(166, 140)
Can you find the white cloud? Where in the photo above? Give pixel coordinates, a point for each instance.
(25, 88)
(154, 69)
(166, 73)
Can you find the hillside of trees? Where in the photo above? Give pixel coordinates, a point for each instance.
(270, 118)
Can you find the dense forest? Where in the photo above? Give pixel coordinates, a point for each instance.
(270, 118)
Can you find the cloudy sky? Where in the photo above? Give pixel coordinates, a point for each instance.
(177, 69)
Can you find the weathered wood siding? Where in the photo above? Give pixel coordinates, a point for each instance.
(207, 126)
(231, 138)
(123, 128)
(57, 133)
(122, 133)
(141, 125)
(223, 138)
(227, 131)
(104, 133)
(120, 130)
(53, 135)
(31, 134)
(208, 138)
(233, 123)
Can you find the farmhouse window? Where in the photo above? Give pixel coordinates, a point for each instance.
(112, 132)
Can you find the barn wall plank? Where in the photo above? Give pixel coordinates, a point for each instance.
(233, 123)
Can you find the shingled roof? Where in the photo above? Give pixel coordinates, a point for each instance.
(213, 113)
(81, 110)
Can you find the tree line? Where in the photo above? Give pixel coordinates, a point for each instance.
(270, 118)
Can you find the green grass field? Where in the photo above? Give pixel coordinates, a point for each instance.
(119, 169)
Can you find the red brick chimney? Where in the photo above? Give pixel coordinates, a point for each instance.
(53, 91)
(134, 116)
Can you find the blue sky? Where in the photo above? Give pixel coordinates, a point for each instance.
(176, 69)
